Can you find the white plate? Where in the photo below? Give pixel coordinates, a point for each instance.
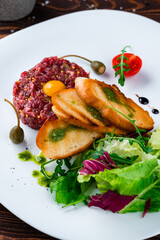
(98, 35)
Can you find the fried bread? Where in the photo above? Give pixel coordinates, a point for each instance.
(68, 118)
(58, 139)
(68, 106)
(101, 95)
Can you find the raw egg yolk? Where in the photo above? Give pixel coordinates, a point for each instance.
(53, 86)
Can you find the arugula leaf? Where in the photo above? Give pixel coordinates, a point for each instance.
(78, 162)
(123, 67)
(43, 171)
(119, 160)
(67, 162)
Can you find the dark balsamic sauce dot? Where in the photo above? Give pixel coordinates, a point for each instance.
(155, 111)
(143, 100)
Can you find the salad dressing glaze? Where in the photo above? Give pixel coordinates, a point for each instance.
(145, 101)
(155, 111)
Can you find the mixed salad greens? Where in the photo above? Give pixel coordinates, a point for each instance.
(121, 174)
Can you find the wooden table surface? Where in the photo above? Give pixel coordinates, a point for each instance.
(10, 226)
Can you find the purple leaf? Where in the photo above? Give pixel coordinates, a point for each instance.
(85, 171)
(110, 200)
(90, 165)
(134, 134)
(103, 158)
(147, 206)
(106, 154)
(101, 165)
(94, 166)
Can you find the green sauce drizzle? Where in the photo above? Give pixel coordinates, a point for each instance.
(94, 113)
(111, 95)
(27, 156)
(41, 179)
(59, 133)
(35, 173)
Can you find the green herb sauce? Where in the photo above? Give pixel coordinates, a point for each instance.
(111, 95)
(27, 156)
(59, 133)
(94, 113)
(41, 179)
(130, 110)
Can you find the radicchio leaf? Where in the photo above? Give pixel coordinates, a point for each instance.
(110, 200)
(106, 158)
(147, 206)
(94, 166)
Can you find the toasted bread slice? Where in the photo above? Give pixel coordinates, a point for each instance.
(58, 139)
(59, 112)
(73, 105)
(100, 95)
(71, 120)
(60, 102)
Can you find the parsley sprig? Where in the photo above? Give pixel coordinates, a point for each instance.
(123, 67)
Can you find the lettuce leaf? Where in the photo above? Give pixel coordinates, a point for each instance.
(116, 187)
(129, 180)
(152, 192)
(123, 148)
(154, 140)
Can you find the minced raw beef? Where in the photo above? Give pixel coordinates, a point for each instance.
(33, 106)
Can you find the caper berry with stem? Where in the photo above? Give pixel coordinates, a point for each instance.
(97, 67)
(16, 134)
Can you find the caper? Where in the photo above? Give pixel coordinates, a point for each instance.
(97, 67)
(16, 133)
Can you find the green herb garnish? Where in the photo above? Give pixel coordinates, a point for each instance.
(123, 67)
(141, 140)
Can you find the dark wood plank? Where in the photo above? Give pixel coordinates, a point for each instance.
(11, 227)
(42, 11)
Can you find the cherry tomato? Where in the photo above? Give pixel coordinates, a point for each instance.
(53, 86)
(134, 62)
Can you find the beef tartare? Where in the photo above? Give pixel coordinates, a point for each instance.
(33, 106)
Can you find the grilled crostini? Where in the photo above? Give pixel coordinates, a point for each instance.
(101, 95)
(58, 139)
(69, 107)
